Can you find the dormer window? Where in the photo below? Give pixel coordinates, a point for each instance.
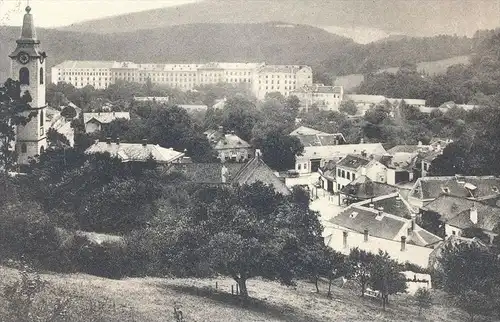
(495, 189)
(353, 215)
(446, 189)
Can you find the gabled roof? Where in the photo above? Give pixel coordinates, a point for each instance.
(231, 141)
(136, 152)
(321, 139)
(488, 217)
(364, 188)
(461, 186)
(448, 206)
(238, 173)
(335, 151)
(392, 203)
(399, 161)
(406, 148)
(105, 117)
(422, 237)
(256, 170)
(304, 130)
(206, 173)
(358, 219)
(353, 162)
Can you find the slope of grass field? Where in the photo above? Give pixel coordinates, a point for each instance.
(153, 299)
(350, 82)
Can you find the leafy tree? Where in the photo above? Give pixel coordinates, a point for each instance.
(348, 107)
(68, 112)
(280, 150)
(239, 235)
(55, 138)
(424, 299)
(472, 232)
(475, 303)
(240, 115)
(385, 276)
(13, 110)
(360, 266)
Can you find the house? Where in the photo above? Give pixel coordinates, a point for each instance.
(452, 241)
(414, 281)
(326, 98)
(158, 99)
(362, 188)
(193, 107)
(137, 152)
(392, 203)
(363, 226)
(97, 121)
(480, 188)
(315, 157)
(354, 166)
(250, 172)
(304, 130)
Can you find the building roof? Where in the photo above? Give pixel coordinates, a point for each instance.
(461, 186)
(75, 64)
(321, 139)
(191, 107)
(291, 69)
(105, 117)
(422, 237)
(448, 206)
(206, 173)
(212, 173)
(304, 130)
(136, 152)
(231, 141)
(353, 162)
(335, 151)
(453, 240)
(367, 99)
(363, 188)
(399, 161)
(406, 148)
(408, 101)
(358, 219)
(488, 217)
(392, 203)
(256, 170)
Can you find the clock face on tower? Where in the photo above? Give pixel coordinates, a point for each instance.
(23, 58)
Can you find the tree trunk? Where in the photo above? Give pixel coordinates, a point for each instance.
(316, 283)
(330, 280)
(242, 284)
(363, 284)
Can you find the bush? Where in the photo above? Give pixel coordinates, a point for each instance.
(105, 260)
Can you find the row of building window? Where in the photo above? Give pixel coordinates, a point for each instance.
(346, 174)
(24, 76)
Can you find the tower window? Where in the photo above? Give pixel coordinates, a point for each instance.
(24, 149)
(41, 75)
(41, 118)
(42, 149)
(24, 76)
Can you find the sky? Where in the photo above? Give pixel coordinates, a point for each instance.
(57, 13)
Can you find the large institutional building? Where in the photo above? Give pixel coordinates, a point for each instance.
(258, 77)
(28, 67)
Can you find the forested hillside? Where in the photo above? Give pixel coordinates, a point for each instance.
(273, 43)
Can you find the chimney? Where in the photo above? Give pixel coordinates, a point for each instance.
(108, 140)
(144, 142)
(113, 113)
(221, 129)
(366, 235)
(419, 143)
(403, 243)
(363, 171)
(362, 141)
(345, 239)
(412, 226)
(117, 140)
(473, 214)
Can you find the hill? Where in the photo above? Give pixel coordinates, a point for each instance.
(152, 299)
(383, 15)
(274, 43)
(270, 42)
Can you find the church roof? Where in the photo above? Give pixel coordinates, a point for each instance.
(28, 30)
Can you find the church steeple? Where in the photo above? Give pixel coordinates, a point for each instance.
(28, 31)
(28, 67)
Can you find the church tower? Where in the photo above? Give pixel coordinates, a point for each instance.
(28, 67)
